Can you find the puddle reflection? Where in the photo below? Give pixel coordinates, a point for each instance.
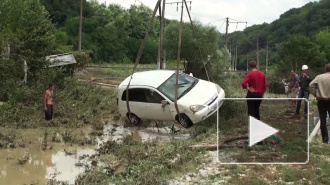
(64, 166)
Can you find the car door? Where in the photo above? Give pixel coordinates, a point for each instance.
(154, 108)
(137, 101)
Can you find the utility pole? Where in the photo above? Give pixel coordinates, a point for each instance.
(231, 59)
(180, 37)
(236, 60)
(160, 43)
(227, 24)
(267, 56)
(226, 35)
(247, 62)
(257, 51)
(163, 59)
(80, 25)
(226, 38)
(163, 51)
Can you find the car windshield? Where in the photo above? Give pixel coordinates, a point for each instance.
(185, 84)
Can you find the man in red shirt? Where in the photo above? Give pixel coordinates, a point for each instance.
(255, 83)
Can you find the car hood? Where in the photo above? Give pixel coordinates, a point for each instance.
(200, 94)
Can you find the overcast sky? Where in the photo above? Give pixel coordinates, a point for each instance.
(214, 12)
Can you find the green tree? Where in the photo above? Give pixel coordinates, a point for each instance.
(195, 48)
(323, 39)
(25, 27)
(300, 50)
(139, 18)
(62, 10)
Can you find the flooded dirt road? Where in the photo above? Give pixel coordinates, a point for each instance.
(64, 161)
(59, 162)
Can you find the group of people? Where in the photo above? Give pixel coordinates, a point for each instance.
(301, 86)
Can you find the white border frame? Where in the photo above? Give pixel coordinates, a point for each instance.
(218, 131)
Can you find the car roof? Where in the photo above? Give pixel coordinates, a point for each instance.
(153, 78)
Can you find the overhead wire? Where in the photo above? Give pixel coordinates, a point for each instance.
(217, 20)
(222, 25)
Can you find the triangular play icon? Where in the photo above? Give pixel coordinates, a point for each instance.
(258, 130)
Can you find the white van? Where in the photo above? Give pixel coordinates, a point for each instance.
(151, 96)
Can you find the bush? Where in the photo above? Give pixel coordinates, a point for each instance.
(82, 58)
(275, 86)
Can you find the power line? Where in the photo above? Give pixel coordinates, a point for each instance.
(180, 2)
(222, 25)
(216, 21)
(236, 20)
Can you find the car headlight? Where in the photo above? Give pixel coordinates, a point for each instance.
(196, 108)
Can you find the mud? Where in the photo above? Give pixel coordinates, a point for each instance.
(41, 165)
(64, 161)
(117, 133)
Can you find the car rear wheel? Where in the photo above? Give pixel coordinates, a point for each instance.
(134, 119)
(184, 120)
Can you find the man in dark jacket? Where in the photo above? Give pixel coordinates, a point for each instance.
(294, 87)
(304, 79)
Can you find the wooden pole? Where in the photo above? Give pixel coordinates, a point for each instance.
(258, 51)
(267, 57)
(162, 60)
(159, 57)
(236, 59)
(80, 25)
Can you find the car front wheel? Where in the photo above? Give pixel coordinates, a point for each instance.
(134, 119)
(184, 120)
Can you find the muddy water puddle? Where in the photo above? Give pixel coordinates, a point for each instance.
(42, 165)
(117, 133)
(64, 162)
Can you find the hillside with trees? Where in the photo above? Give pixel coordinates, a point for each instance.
(114, 34)
(310, 22)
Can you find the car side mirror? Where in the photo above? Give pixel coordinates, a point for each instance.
(164, 103)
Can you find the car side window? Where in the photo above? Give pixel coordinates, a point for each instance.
(153, 96)
(136, 95)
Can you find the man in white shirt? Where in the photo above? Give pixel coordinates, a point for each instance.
(320, 88)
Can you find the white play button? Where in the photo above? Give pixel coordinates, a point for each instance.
(259, 131)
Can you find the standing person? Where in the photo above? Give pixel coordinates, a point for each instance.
(48, 102)
(255, 83)
(294, 86)
(320, 88)
(304, 80)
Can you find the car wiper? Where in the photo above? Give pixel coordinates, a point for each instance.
(182, 84)
(188, 89)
